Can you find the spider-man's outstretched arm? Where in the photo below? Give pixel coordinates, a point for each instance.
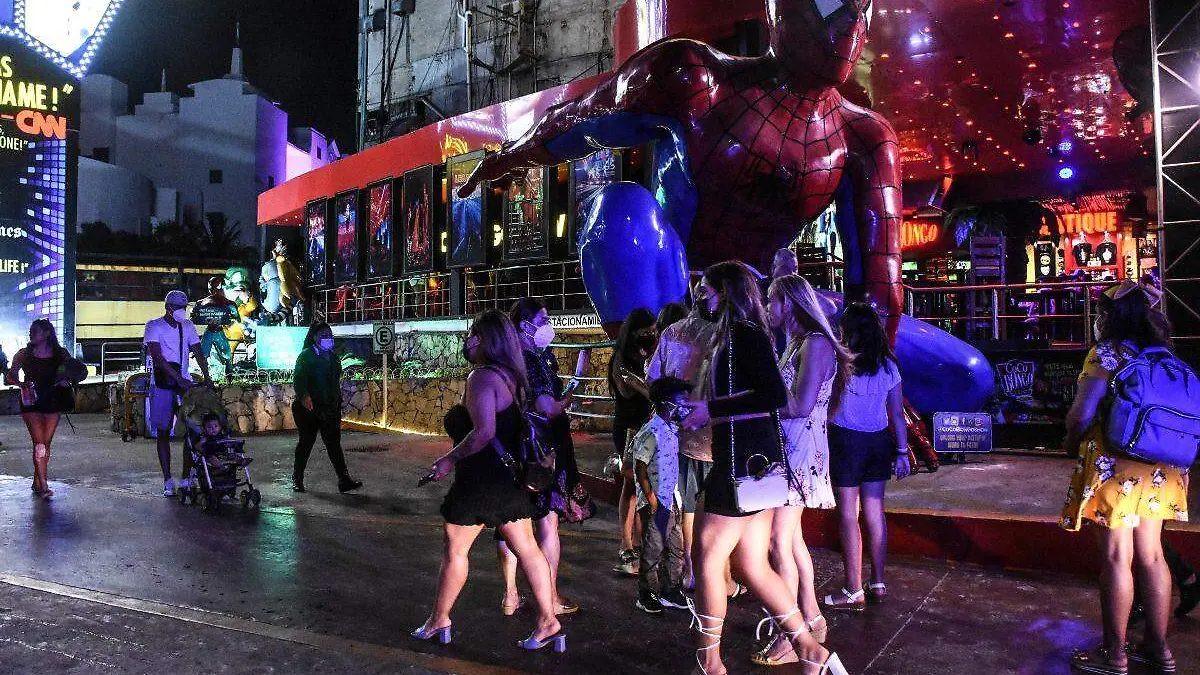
(632, 106)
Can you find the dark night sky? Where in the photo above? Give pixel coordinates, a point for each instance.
(301, 53)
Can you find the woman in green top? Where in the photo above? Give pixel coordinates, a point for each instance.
(318, 405)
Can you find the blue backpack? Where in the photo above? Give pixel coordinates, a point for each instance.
(1154, 413)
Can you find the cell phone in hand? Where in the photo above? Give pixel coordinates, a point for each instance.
(427, 479)
(572, 385)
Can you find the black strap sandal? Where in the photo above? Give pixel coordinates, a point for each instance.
(1157, 664)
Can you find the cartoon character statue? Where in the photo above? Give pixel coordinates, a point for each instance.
(748, 151)
(215, 313)
(279, 282)
(237, 288)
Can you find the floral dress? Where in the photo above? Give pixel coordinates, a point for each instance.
(807, 443)
(1112, 490)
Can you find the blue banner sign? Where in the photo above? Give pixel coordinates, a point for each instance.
(962, 432)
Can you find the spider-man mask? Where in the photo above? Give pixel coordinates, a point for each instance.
(821, 39)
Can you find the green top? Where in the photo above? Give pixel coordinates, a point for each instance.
(319, 376)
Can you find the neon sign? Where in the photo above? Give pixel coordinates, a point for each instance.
(39, 113)
(916, 233)
(1089, 223)
(66, 32)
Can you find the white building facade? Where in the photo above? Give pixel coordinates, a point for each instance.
(179, 158)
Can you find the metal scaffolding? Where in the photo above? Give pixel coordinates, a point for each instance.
(1175, 36)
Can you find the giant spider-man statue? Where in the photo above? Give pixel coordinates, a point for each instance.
(754, 147)
(748, 150)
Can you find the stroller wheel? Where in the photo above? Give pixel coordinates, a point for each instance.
(183, 496)
(255, 497)
(244, 498)
(206, 502)
(125, 437)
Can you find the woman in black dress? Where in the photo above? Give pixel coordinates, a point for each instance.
(48, 372)
(546, 396)
(631, 408)
(484, 492)
(748, 391)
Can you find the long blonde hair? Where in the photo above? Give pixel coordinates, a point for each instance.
(797, 295)
(500, 348)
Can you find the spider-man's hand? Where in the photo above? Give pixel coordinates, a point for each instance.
(631, 257)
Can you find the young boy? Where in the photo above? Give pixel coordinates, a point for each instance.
(214, 443)
(655, 451)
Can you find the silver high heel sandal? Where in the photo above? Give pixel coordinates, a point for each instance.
(559, 640)
(441, 635)
(832, 665)
(707, 631)
(771, 623)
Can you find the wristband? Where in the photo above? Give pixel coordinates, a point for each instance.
(902, 451)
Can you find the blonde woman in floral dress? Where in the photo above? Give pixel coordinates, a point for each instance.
(1125, 500)
(809, 366)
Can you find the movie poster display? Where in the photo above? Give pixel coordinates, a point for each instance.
(345, 250)
(466, 215)
(315, 213)
(417, 214)
(379, 229)
(526, 227)
(39, 125)
(588, 175)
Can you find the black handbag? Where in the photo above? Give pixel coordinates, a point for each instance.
(162, 378)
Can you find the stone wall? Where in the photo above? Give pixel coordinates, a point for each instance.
(90, 397)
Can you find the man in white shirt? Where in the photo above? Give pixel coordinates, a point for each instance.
(170, 340)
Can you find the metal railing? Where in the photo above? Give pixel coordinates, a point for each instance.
(421, 297)
(120, 352)
(559, 285)
(1054, 312)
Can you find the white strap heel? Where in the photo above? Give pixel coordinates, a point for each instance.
(713, 632)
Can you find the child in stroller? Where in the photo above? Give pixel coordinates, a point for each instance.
(218, 464)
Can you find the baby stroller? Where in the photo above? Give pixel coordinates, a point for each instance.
(219, 467)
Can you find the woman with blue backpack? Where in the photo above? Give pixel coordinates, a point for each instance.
(1132, 421)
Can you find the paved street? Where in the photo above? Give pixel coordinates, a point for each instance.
(110, 578)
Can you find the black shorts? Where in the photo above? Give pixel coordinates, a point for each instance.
(857, 457)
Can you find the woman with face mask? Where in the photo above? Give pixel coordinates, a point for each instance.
(746, 392)
(318, 406)
(627, 385)
(547, 398)
(484, 492)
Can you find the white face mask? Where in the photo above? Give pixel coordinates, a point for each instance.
(325, 344)
(1096, 329)
(542, 336)
(179, 315)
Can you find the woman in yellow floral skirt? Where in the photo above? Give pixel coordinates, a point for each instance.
(1125, 500)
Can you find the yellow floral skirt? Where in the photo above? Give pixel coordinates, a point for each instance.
(1114, 491)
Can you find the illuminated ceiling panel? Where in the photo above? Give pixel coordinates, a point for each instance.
(68, 32)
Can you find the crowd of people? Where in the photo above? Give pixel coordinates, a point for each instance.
(732, 417)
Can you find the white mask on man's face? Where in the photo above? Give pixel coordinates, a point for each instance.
(179, 314)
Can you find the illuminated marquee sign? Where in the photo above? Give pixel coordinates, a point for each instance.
(65, 32)
(916, 233)
(39, 114)
(1089, 223)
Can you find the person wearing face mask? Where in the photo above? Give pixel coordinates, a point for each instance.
(547, 397)
(318, 406)
(170, 341)
(631, 408)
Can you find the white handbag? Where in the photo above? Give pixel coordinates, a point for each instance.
(766, 488)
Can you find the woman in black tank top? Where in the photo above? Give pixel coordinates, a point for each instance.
(484, 491)
(45, 393)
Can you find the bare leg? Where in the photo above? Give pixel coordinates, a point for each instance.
(716, 538)
(847, 508)
(1154, 579)
(627, 509)
(784, 522)
(519, 535)
(452, 576)
(163, 441)
(545, 530)
(808, 577)
(688, 524)
(49, 424)
(876, 525)
(1116, 588)
(750, 560)
(508, 570)
(33, 425)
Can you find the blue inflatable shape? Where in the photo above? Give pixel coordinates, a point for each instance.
(630, 254)
(940, 372)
